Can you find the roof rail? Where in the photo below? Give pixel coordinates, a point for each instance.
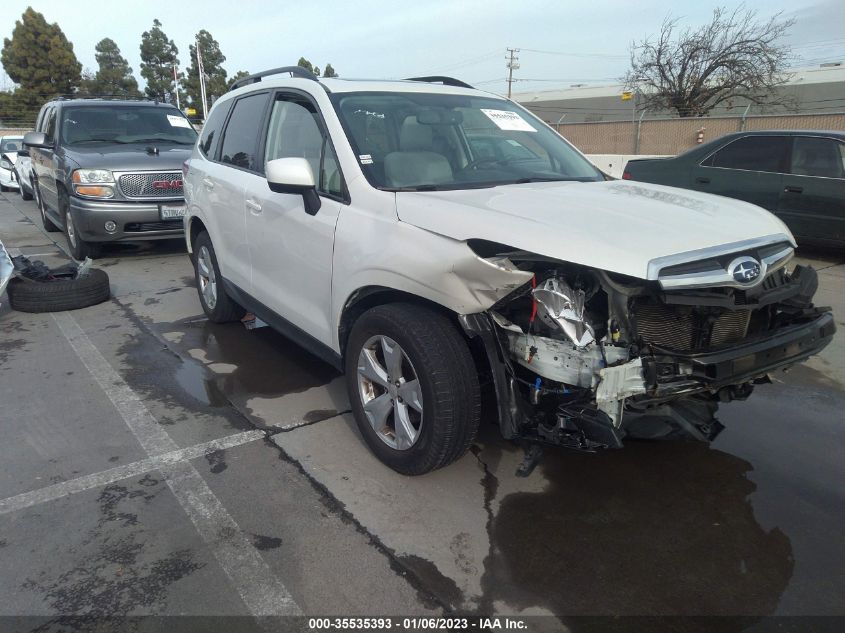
(295, 71)
(439, 79)
(102, 98)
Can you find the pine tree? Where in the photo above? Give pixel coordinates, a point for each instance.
(158, 56)
(329, 71)
(40, 59)
(114, 76)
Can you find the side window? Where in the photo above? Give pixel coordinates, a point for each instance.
(50, 124)
(817, 157)
(240, 140)
(295, 132)
(210, 138)
(754, 153)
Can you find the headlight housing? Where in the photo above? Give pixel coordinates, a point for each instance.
(93, 183)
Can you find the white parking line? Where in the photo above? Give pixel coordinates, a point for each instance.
(259, 588)
(106, 477)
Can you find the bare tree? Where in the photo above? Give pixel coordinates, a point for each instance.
(691, 71)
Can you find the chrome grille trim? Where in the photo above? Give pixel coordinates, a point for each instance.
(138, 185)
(722, 277)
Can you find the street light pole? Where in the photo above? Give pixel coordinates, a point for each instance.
(176, 85)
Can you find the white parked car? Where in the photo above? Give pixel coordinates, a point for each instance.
(23, 174)
(9, 148)
(388, 228)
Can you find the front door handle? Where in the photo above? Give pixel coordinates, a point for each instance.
(208, 182)
(794, 189)
(702, 181)
(253, 206)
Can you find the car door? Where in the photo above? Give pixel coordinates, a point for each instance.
(812, 200)
(748, 168)
(291, 251)
(46, 164)
(223, 183)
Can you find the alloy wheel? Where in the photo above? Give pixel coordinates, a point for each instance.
(390, 392)
(207, 278)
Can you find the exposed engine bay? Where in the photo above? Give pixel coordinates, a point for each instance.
(583, 358)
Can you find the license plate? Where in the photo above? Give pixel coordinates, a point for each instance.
(173, 212)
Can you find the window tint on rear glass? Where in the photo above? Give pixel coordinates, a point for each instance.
(753, 153)
(210, 138)
(821, 157)
(240, 140)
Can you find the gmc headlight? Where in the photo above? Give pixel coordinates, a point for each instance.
(93, 183)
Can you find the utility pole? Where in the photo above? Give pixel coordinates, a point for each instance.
(176, 84)
(201, 72)
(512, 65)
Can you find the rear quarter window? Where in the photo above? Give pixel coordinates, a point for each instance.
(213, 129)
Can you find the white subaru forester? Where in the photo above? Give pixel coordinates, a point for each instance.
(457, 258)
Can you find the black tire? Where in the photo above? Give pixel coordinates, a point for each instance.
(3, 189)
(25, 194)
(79, 248)
(448, 380)
(225, 309)
(26, 295)
(46, 222)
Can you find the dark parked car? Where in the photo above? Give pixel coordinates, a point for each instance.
(106, 171)
(797, 175)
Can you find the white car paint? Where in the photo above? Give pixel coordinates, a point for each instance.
(7, 178)
(415, 242)
(616, 226)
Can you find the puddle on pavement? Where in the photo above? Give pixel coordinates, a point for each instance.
(262, 362)
(655, 528)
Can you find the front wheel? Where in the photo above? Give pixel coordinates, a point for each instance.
(79, 248)
(413, 387)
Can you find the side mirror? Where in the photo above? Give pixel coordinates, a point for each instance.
(37, 139)
(294, 175)
(23, 152)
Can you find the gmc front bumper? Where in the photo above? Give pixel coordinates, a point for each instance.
(133, 220)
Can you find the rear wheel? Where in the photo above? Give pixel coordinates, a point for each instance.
(79, 248)
(413, 387)
(217, 305)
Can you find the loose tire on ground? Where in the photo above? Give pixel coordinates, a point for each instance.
(451, 402)
(26, 295)
(224, 309)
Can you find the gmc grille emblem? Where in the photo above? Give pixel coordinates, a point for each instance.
(167, 184)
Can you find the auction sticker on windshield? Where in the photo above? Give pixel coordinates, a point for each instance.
(507, 120)
(173, 212)
(178, 121)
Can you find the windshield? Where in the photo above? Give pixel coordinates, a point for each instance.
(10, 144)
(125, 124)
(428, 141)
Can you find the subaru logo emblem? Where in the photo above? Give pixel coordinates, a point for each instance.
(745, 270)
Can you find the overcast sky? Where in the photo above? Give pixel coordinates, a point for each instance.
(562, 42)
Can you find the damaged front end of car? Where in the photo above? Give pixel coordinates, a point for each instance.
(582, 358)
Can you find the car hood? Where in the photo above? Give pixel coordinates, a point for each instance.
(616, 226)
(11, 157)
(132, 157)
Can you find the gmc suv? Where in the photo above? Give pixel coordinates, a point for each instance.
(106, 171)
(370, 221)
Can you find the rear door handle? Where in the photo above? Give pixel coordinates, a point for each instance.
(794, 189)
(702, 181)
(208, 182)
(253, 206)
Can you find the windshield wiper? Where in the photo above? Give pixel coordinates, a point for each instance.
(160, 140)
(522, 181)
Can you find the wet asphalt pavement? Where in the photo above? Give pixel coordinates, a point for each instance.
(750, 525)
